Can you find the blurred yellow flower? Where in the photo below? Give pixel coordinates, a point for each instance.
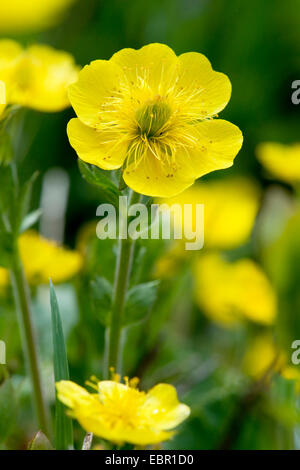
(120, 413)
(229, 292)
(43, 259)
(152, 113)
(36, 77)
(2, 97)
(263, 356)
(19, 16)
(230, 208)
(282, 161)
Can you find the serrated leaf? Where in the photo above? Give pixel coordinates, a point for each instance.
(140, 300)
(8, 407)
(40, 442)
(63, 424)
(30, 219)
(101, 296)
(100, 178)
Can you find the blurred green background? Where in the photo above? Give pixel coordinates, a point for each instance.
(257, 44)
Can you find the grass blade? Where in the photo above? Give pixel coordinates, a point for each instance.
(63, 424)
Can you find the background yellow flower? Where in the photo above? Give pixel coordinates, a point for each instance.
(43, 259)
(229, 292)
(121, 413)
(230, 208)
(36, 77)
(282, 161)
(152, 112)
(19, 16)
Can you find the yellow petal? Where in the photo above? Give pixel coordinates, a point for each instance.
(19, 16)
(72, 394)
(283, 161)
(262, 356)
(153, 177)
(153, 66)
(138, 436)
(9, 51)
(208, 91)
(230, 206)
(105, 150)
(167, 412)
(230, 292)
(218, 143)
(96, 84)
(44, 259)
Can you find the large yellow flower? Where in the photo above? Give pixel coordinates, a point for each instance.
(36, 77)
(43, 259)
(283, 161)
(152, 113)
(230, 208)
(120, 413)
(19, 16)
(229, 292)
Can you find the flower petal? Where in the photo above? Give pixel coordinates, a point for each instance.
(283, 161)
(107, 151)
(167, 411)
(218, 142)
(153, 65)
(153, 177)
(72, 394)
(97, 82)
(208, 92)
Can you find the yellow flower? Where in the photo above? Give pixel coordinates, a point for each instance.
(19, 16)
(151, 112)
(230, 208)
(36, 77)
(263, 356)
(2, 97)
(120, 413)
(229, 292)
(283, 161)
(43, 259)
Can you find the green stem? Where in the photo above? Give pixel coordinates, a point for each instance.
(22, 300)
(121, 282)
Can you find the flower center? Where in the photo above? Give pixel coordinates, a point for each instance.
(152, 116)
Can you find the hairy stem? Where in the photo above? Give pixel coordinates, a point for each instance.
(113, 346)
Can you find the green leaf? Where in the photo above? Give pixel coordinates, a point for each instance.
(100, 178)
(30, 219)
(8, 408)
(101, 296)
(63, 424)
(140, 300)
(40, 442)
